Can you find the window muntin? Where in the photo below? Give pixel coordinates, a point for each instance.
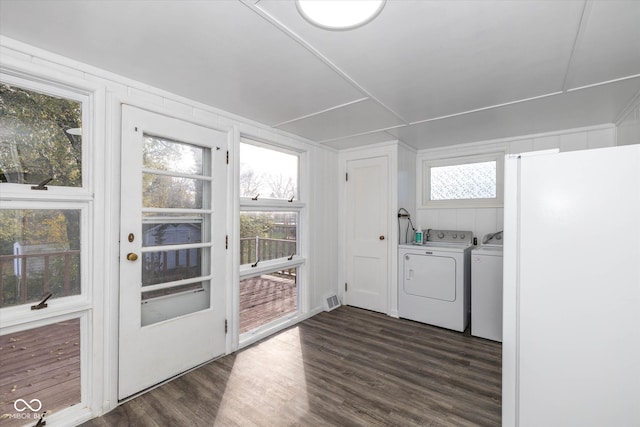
(266, 236)
(39, 254)
(267, 173)
(40, 138)
(473, 181)
(270, 235)
(176, 228)
(65, 153)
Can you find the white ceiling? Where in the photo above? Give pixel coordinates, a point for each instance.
(430, 73)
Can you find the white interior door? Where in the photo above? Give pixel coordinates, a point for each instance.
(367, 198)
(172, 265)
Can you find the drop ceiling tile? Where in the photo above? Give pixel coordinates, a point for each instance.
(426, 59)
(348, 120)
(609, 47)
(220, 53)
(360, 140)
(585, 107)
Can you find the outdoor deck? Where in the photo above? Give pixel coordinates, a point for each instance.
(43, 364)
(266, 298)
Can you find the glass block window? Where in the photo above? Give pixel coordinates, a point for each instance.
(463, 182)
(470, 181)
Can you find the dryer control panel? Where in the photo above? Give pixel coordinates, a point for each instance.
(449, 236)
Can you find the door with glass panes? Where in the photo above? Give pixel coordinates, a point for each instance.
(173, 255)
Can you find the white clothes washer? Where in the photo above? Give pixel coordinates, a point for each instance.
(486, 288)
(434, 279)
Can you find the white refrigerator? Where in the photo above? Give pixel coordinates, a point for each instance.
(571, 330)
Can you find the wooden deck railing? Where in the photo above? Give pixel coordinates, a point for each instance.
(44, 262)
(264, 249)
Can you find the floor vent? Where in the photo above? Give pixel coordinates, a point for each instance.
(331, 302)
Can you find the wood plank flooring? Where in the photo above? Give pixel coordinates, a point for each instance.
(41, 363)
(348, 367)
(266, 298)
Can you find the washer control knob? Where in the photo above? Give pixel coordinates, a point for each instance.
(462, 236)
(454, 235)
(440, 235)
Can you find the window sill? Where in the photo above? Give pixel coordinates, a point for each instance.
(263, 267)
(271, 203)
(22, 315)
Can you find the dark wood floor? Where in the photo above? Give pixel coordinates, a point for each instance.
(348, 367)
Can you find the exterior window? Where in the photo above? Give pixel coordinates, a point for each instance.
(270, 212)
(44, 248)
(40, 366)
(268, 174)
(463, 182)
(41, 249)
(266, 236)
(40, 138)
(39, 254)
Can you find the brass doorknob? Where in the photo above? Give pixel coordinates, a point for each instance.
(131, 256)
(381, 237)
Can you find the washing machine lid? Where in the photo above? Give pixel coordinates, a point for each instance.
(493, 239)
(492, 250)
(440, 247)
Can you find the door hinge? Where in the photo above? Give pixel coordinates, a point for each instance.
(227, 156)
(346, 176)
(226, 326)
(226, 241)
(345, 286)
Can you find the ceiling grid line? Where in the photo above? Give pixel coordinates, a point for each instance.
(443, 73)
(584, 18)
(294, 36)
(489, 107)
(326, 110)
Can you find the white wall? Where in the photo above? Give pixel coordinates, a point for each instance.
(323, 209)
(406, 187)
(322, 199)
(487, 220)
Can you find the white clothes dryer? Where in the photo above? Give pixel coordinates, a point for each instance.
(434, 279)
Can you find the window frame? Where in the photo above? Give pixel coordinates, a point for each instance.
(247, 204)
(21, 196)
(74, 94)
(89, 199)
(425, 182)
(275, 147)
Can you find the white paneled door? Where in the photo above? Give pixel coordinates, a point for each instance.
(367, 204)
(172, 248)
